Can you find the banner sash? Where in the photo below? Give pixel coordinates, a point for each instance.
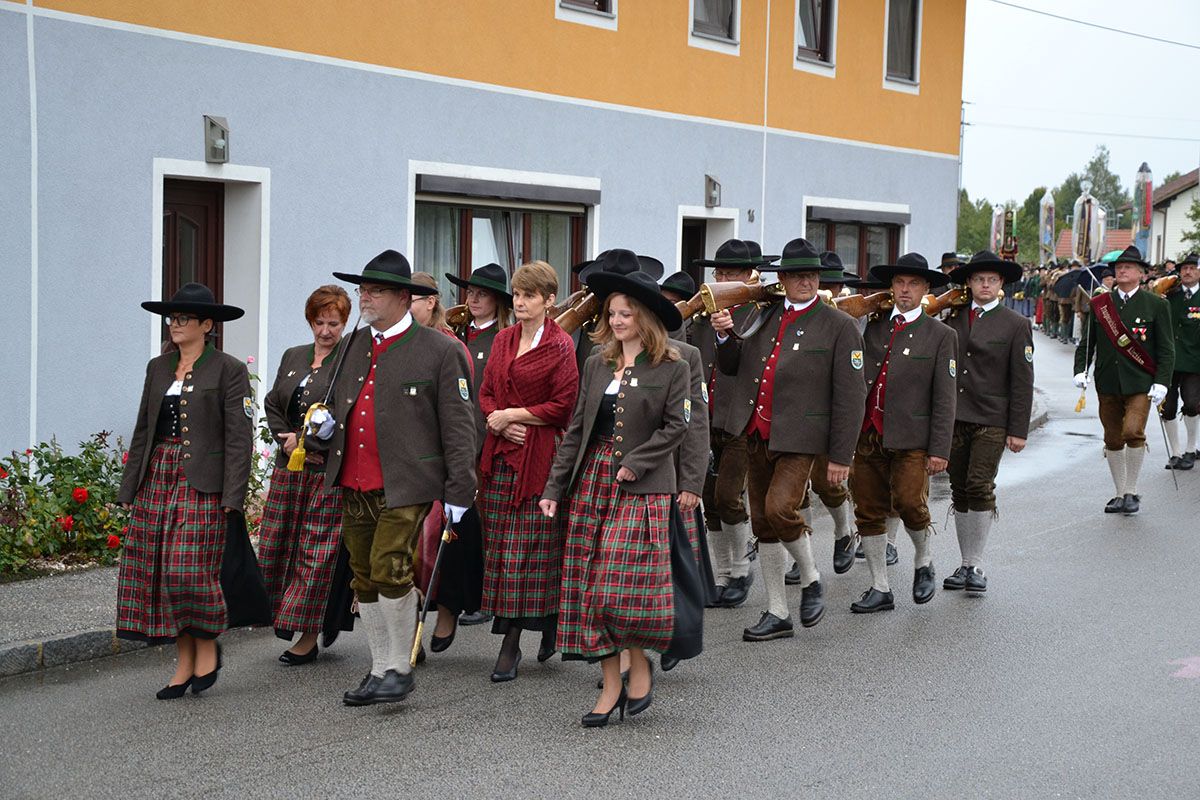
(1109, 320)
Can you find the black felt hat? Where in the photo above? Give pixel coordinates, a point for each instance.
(680, 283)
(1190, 258)
(623, 276)
(952, 260)
(195, 298)
(390, 269)
(987, 261)
(647, 264)
(910, 264)
(832, 270)
(756, 251)
(1131, 255)
(799, 255)
(736, 253)
(491, 277)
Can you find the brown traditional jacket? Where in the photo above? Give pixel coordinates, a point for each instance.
(216, 426)
(995, 373)
(295, 364)
(818, 391)
(720, 386)
(424, 416)
(480, 349)
(919, 401)
(653, 414)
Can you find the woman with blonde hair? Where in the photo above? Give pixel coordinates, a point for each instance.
(527, 396)
(616, 466)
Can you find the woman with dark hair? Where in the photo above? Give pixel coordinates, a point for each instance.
(188, 467)
(527, 395)
(302, 520)
(616, 464)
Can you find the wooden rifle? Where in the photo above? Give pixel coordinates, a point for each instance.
(459, 317)
(1160, 286)
(935, 305)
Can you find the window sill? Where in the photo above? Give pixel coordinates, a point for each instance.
(717, 44)
(606, 20)
(815, 66)
(901, 85)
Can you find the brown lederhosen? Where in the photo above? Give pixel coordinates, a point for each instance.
(832, 494)
(776, 484)
(723, 502)
(1124, 419)
(883, 480)
(975, 453)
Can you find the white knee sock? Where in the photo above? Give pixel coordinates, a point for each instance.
(377, 636)
(801, 551)
(772, 562)
(739, 539)
(1172, 428)
(920, 540)
(893, 525)
(1133, 465)
(978, 528)
(875, 548)
(841, 520)
(963, 522)
(400, 616)
(718, 551)
(1116, 466)
(1190, 424)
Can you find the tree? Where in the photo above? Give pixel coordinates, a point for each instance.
(1106, 187)
(1170, 176)
(1192, 237)
(974, 223)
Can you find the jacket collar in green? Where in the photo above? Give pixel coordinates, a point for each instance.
(208, 350)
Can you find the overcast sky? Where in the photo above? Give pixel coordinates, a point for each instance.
(1027, 69)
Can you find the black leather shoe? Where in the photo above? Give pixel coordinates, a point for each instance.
(669, 663)
(391, 688)
(296, 659)
(170, 692)
(718, 594)
(1132, 503)
(594, 719)
(1115, 506)
(893, 556)
(956, 581)
(546, 649)
(736, 592)
(812, 604)
(976, 581)
(792, 576)
(508, 674)
(439, 644)
(637, 705)
(475, 618)
(860, 553)
(1172, 463)
(873, 600)
(358, 697)
(923, 585)
(1187, 461)
(843, 556)
(769, 627)
(203, 682)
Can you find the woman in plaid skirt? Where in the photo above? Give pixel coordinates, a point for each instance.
(529, 389)
(616, 466)
(188, 466)
(301, 523)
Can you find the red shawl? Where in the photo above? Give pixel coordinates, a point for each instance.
(545, 382)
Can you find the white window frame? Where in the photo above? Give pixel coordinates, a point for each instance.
(605, 20)
(807, 201)
(826, 69)
(704, 41)
(892, 84)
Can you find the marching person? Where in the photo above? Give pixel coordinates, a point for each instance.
(993, 407)
(1184, 301)
(799, 364)
(679, 287)
(616, 467)
(910, 371)
(528, 394)
(187, 469)
(489, 303)
(301, 528)
(725, 513)
(402, 435)
(1132, 341)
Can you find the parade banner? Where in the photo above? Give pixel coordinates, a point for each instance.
(1046, 229)
(1110, 322)
(1143, 207)
(997, 239)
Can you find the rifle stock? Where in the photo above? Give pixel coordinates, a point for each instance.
(1160, 286)
(860, 305)
(583, 310)
(727, 294)
(935, 305)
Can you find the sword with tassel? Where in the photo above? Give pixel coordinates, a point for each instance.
(448, 535)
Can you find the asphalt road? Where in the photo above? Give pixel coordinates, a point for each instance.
(1068, 679)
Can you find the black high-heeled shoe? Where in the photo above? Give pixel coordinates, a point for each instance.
(546, 650)
(624, 680)
(594, 719)
(639, 704)
(296, 659)
(170, 692)
(202, 682)
(440, 643)
(510, 673)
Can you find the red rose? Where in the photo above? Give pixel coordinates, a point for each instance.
(79, 495)
(3, 473)
(67, 522)
(114, 541)
(124, 456)
(28, 452)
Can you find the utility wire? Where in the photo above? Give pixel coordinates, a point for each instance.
(1098, 26)
(1048, 110)
(1082, 132)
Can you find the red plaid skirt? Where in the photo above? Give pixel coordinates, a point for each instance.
(298, 547)
(169, 583)
(616, 574)
(522, 550)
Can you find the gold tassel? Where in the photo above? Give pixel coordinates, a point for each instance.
(296, 459)
(1082, 401)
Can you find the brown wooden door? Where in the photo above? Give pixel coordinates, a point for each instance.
(695, 233)
(193, 237)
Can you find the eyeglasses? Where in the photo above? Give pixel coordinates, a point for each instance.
(179, 320)
(372, 292)
(727, 274)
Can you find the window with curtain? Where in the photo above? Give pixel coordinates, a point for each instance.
(860, 245)
(550, 241)
(815, 30)
(714, 17)
(818, 234)
(846, 243)
(902, 39)
(436, 240)
(877, 239)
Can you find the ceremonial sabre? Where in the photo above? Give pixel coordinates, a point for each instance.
(1167, 443)
(448, 535)
(296, 459)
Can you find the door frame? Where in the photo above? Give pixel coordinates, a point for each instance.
(715, 234)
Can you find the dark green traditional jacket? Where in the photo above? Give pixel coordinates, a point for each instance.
(1148, 318)
(1185, 317)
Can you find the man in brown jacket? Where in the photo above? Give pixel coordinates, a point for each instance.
(995, 400)
(402, 435)
(798, 395)
(910, 371)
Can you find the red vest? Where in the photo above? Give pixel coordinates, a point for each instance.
(874, 416)
(760, 420)
(361, 470)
